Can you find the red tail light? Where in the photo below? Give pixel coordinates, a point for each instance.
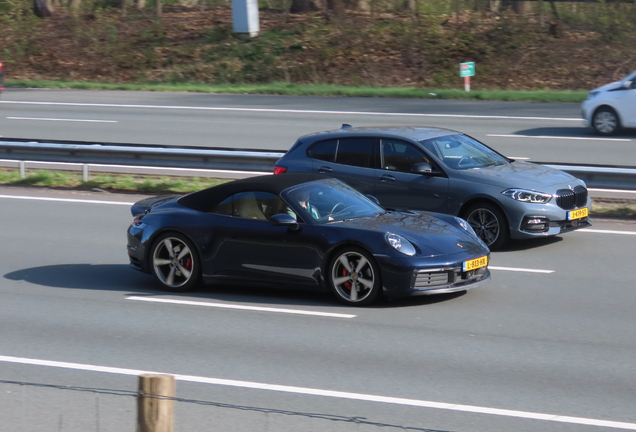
(279, 169)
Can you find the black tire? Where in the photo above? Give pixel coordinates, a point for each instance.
(175, 263)
(489, 223)
(354, 276)
(605, 121)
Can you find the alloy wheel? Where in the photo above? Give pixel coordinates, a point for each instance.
(354, 278)
(173, 263)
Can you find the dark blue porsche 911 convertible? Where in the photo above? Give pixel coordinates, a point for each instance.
(305, 231)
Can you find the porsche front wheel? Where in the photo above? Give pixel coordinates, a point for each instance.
(354, 277)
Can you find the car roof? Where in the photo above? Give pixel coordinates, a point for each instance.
(206, 199)
(413, 132)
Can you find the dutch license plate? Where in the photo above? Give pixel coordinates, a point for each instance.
(475, 264)
(578, 214)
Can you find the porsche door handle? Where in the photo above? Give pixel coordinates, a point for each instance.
(387, 178)
(324, 170)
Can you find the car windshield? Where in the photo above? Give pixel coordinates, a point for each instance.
(463, 152)
(331, 200)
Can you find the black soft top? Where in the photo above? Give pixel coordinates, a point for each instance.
(207, 199)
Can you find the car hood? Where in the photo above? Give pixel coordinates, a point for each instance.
(518, 174)
(432, 235)
(609, 86)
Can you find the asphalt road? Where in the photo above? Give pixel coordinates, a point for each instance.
(547, 345)
(536, 131)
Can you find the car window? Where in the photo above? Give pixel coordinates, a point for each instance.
(251, 205)
(324, 150)
(331, 201)
(400, 156)
(354, 151)
(463, 152)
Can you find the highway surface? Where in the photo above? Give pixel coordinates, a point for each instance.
(547, 345)
(535, 131)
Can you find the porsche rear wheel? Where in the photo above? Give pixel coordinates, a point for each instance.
(175, 263)
(354, 277)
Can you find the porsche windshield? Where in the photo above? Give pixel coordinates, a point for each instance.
(463, 152)
(331, 201)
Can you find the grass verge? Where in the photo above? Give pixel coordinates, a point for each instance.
(160, 185)
(575, 96)
(109, 182)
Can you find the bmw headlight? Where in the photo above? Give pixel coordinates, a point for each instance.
(399, 243)
(528, 196)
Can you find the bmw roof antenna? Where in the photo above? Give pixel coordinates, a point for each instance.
(346, 126)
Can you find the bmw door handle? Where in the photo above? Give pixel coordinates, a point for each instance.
(387, 178)
(324, 170)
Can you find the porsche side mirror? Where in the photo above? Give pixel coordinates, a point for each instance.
(283, 219)
(424, 168)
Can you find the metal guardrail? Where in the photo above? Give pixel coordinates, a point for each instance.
(139, 155)
(595, 176)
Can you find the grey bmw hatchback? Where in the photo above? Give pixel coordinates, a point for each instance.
(445, 171)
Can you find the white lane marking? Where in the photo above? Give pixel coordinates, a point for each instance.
(251, 308)
(516, 269)
(62, 120)
(597, 231)
(333, 394)
(558, 137)
(66, 200)
(290, 111)
(612, 190)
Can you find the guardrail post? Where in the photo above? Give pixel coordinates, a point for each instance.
(22, 169)
(155, 403)
(85, 173)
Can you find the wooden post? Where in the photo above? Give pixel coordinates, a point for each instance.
(155, 406)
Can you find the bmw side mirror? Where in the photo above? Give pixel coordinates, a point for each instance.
(628, 84)
(283, 219)
(424, 168)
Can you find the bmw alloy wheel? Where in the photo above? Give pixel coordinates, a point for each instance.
(355, 277)
(489, 223)
(174, 263)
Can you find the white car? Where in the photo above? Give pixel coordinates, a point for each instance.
(609, 108)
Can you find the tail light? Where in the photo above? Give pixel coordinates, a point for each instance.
(280, 169)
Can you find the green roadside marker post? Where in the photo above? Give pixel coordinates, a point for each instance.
(467, 70)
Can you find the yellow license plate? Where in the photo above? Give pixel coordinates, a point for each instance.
(475, 264)
(578, 214)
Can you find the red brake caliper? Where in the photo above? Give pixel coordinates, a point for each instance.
(347, 285)
(188, 264)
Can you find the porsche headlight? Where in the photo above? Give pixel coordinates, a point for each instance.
(399, 243)
(528, 196)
